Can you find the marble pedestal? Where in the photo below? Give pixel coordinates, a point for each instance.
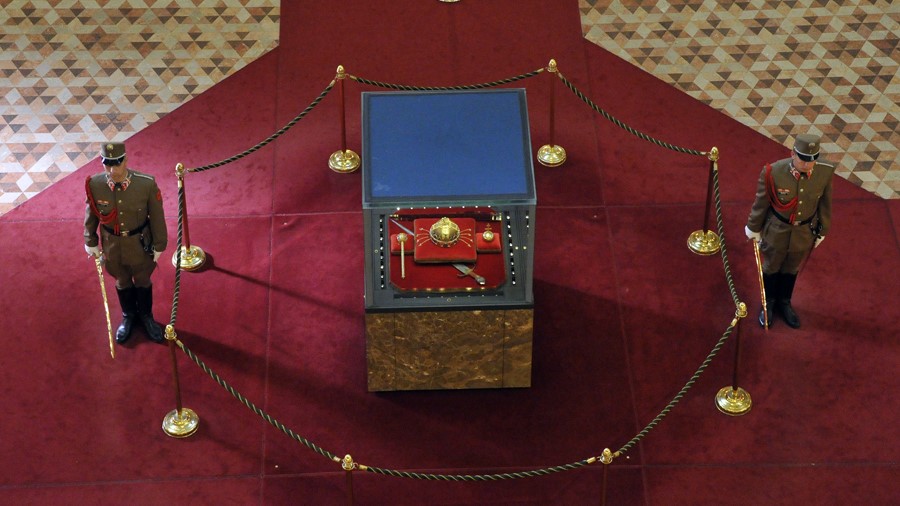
(433, 350)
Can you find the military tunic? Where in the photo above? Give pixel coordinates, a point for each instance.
(789, 212)
(139, 225)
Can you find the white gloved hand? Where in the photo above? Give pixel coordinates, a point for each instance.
(752, 235)
(93, 251)
(818, 241)
(156, 255)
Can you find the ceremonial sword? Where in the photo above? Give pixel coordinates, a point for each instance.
(112, 349)
(468, 271)
(762, 284)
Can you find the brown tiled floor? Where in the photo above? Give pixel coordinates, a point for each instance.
(779, 67)
(72, 76)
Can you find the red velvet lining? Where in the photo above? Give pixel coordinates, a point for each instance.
(463, 250)
(488, 263)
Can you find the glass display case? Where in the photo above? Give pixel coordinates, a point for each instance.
(449, 216)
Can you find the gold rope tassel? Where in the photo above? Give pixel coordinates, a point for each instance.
(112, 349)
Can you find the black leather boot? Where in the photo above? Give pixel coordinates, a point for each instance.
(770, 282)
(145, 313)
(129, 312)
(786, 284)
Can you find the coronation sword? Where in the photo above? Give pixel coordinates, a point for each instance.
(468, 271)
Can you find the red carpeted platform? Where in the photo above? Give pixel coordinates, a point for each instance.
(624, 315)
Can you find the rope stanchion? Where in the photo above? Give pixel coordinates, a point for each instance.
(345, 160)
(606, 459)
(405, 87)
(272, 137)
(681, 393)
(622, 125)
(551, 155)
(181, 422)
(734, 400)
(705, 241)
(349, 466)
(191, 257)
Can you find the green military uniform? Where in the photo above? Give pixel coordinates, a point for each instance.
(791, 211)
(131, 223)
(138, 226)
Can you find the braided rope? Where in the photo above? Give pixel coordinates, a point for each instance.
(175, 295)
(272, 137)
(720, 226)
(687, 386)
(457, 477)
(480, 477)
(444, 88)
(625, 127)
(262, 414)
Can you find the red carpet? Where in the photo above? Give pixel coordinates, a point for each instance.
(624, 315)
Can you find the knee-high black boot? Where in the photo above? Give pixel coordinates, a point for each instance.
(129, 311)
(786, 285)
(770, 282)
(145, 313)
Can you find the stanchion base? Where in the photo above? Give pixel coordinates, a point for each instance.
(704, 242)
(343, 161)
(181, 426)
(551, 156)
(733, 402)
(192, 258)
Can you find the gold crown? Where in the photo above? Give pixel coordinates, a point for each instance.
(444, 232)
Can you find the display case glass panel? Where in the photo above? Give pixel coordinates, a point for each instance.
(448, 200)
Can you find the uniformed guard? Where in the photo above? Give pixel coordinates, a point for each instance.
(127, 207)
(790, 217)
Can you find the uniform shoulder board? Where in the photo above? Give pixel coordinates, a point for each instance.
(141, 174)
(825, 164)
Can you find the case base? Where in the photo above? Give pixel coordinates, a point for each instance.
(444, 350)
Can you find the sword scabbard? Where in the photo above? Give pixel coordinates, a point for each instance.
(112, 349)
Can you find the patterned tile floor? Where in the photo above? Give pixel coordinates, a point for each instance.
(780, 67)
(76, 72)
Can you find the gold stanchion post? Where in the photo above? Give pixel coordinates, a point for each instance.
(706, 242)
(349, 466)
(606, 458)
(345, 160)
(181, 422)
(192, 257)
(551, 155)
(734, 400)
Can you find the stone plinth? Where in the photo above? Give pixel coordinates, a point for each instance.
(432, 350)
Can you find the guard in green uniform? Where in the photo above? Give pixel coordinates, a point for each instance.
(790, 217)
(126, 207)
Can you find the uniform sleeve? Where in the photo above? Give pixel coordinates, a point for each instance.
(760, 205)
(91, 222)
(157, 218)
(824, 209)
